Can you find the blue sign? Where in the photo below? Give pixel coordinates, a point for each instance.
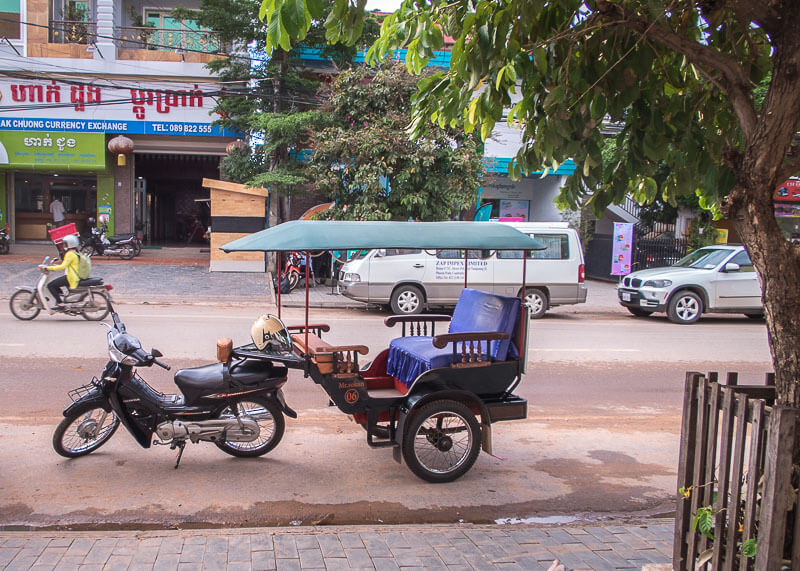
(113, 126)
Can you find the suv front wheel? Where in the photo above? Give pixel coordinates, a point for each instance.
(685, 307)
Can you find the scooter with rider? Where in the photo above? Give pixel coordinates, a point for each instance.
(86, 296)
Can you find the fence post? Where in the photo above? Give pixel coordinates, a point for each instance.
(783, 432)
(685, 468)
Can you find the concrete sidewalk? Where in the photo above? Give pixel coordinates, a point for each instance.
(645, 545)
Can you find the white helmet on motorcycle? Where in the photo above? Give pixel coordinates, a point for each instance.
(70, 241)
(270, 334)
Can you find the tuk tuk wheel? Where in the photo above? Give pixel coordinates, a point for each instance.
(442, 441)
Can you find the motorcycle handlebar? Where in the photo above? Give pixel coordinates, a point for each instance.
(162, 365)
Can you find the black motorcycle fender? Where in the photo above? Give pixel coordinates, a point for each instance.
(284, 407)
(93, 399)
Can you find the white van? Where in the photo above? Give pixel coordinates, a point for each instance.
(411, 280)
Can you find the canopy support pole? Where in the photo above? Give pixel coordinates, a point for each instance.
(280, 263)
(522, 320)
(308, 261)
(466, 264)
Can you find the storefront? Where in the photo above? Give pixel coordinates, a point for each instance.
(40, 168)
(529, 199)
(787, 208)
(54, 139)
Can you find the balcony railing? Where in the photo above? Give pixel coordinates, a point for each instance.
(163, 39)
(72, 32)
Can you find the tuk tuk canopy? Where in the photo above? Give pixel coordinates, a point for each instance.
(306, 235)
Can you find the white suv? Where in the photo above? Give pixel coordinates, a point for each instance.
(714, 279)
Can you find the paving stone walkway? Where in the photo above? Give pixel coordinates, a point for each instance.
(609, 546)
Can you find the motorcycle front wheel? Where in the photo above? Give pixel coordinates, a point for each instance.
(99, 308)
(270, 423)
(24, 305)
(294, 279)
(84, 431)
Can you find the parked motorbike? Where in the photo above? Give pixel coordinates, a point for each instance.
(98, 243)
(91, 299)
(132, 236)
(290, 276)
(237, 404)
(5, 241)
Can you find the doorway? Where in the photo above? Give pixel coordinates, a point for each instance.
(168, 197)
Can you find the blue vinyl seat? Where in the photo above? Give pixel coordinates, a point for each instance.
(476, 312)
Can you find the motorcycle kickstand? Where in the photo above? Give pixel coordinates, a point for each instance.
(180, 445)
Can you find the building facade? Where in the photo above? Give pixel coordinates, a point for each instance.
(76, 74)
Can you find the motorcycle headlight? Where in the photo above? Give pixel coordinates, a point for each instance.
(120, 346)
(352, 277)
(657, 283)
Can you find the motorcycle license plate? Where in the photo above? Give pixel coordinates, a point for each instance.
(625, 296)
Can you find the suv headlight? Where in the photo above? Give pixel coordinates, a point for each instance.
(349, 277)
(657, 283)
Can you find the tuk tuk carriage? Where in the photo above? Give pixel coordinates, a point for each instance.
(432, 396)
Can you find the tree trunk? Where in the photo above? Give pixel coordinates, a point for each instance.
(778, 265)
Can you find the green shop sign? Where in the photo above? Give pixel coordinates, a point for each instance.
(43, 150)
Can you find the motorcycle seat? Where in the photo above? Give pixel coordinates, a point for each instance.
(90, 282)
(211, 377)
(120, 237)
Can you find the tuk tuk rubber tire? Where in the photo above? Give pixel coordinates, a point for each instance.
(67, 422)
(394, 304)
(21, 292)
(98, 316)
(534, 291)
(672, 307)
(423, 414)
(638, 312)
(280, 426)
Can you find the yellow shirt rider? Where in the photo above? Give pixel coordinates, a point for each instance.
(70, 264)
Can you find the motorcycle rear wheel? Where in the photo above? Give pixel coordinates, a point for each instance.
(137, 247)
(4, 247)
(270, 423)
(84, 431)
(100, 308)
(24, 305)
(127, 253)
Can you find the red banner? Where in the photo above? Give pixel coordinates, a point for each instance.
(789, 191)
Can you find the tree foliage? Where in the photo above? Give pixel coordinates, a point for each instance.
(372, 169)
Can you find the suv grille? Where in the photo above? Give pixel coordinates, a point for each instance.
(636, 282)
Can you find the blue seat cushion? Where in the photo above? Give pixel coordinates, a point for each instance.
(476, 311)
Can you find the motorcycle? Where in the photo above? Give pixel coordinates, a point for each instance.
(5, 241)
(237, 403)
(291, 274)
(132, 236)
(91, 299)
(97, 242)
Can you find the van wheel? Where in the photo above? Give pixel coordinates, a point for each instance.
(536, 300)
(407, 300)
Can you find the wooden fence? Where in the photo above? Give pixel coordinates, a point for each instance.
(736, 458)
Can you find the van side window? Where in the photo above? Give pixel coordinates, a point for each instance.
(401, 251)
(459, 254)
(557, 249)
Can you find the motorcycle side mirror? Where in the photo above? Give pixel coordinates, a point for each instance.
(156, 353)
